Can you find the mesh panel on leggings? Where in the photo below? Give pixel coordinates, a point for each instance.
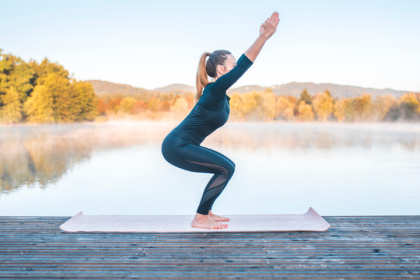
(215, 187)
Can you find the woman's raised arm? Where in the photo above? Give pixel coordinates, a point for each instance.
(267, 29)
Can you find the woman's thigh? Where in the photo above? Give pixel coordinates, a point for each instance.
(208, 149)
(187, 156)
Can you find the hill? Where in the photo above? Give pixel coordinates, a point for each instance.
(177, 87)
(340, 91)
(294, 89)
(102, 87)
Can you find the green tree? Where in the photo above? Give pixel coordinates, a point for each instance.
(304, 96)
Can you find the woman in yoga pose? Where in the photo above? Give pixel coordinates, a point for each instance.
(181, 147)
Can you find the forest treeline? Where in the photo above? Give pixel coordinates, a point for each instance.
(42, 93)
(45, 93)
(266, 106)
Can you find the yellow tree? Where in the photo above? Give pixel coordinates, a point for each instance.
(180, 108)
(284, 108)
(11, 112)
(46, 67)
(269, 104)
(381, 106)
(323, 105)
(362, 107)
(249, 104)
(53, 100)
(408, 106)
(154, 103)
(87, 101)
(126, 104)
(236, 106)
(262, 105)
(39, 107)
(305, 111)
(16, 84)
(338, 110)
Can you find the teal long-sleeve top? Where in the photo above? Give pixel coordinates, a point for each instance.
(212, 109)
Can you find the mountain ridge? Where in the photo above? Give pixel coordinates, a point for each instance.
(293, 88)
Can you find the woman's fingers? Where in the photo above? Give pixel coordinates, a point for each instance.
(273, 17)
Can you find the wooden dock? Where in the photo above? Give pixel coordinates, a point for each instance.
(355, 247)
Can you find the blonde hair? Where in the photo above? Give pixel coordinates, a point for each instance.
(208, 69)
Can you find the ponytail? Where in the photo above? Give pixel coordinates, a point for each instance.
(202, 80)
(208, 69)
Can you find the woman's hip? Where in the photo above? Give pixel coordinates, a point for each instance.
(170, 145)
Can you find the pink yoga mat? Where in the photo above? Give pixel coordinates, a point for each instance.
(310, 221)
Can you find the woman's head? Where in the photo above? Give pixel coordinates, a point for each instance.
(219, 63)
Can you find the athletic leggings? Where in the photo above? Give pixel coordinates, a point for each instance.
(185, 155)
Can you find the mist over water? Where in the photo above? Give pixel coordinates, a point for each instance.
(118, 168)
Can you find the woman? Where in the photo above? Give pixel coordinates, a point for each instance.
(181, 147)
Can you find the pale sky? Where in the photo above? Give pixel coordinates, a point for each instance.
(151, 44)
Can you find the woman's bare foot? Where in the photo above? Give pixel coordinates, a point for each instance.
(217, 217)
(204, 221)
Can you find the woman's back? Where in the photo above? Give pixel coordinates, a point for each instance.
(212, 109)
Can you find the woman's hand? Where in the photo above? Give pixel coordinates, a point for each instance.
(268, 28)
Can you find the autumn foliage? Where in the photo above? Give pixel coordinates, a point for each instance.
(45, 93)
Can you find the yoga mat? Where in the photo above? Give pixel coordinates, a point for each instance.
(310, 221)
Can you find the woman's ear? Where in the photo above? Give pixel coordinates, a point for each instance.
(220, 70)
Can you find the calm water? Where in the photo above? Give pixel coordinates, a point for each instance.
(117, 168)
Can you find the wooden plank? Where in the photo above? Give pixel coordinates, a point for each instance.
(355, 247)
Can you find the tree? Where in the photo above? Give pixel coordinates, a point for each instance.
(190, 99)
(54, 100)
(111, 106)
(11, 111)
(304, 96)
(236, 106)
(46, 67)
(127, 104)
(180, 107)
(139, 106)
(343, 110)
(284, 108)
(16, 78)
(165, 106)
(323, 105)
(381, 106)
(154, 103)
(87, 101)
(362, 107)
(406, 108)
(101, 107)
(305, 111)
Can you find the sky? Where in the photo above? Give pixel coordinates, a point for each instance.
(149, 44)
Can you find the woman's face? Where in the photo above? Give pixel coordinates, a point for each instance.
(229, 64)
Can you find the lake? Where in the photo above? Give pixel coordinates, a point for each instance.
(281, 168)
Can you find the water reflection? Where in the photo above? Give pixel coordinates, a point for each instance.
(41, 154)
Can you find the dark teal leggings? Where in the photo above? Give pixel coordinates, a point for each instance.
(185, 155)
